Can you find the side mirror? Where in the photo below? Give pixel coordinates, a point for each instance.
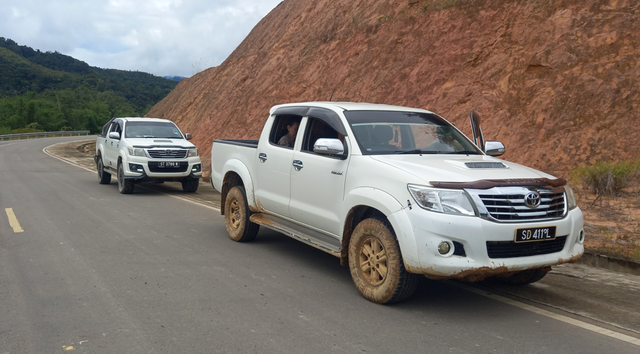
(328, 147)
(494, 148)
(188, 136)
(114, 135)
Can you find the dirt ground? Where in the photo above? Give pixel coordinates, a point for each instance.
(612, 224)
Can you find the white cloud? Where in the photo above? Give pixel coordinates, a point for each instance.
(162, 37)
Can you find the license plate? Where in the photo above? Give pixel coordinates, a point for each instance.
(168, 164)
(535, 234)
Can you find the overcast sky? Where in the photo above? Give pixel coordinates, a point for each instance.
(161, 37)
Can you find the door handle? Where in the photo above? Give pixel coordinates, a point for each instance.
(262, 156)
(297, 165)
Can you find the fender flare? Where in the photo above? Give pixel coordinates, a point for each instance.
(392, 209)
(373, 198)
(236, 166)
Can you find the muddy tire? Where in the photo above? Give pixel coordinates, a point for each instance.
(103, 177)
(190, 185)
(236, 216)
(125, 186)
(524, 277)
(376, 263)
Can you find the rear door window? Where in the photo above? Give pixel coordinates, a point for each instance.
(284, 130)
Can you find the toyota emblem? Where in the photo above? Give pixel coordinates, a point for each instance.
(167, 152)
(532, 200)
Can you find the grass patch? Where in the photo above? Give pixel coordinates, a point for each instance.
(607, 179)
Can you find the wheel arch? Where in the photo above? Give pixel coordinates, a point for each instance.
(365, 203)
(236, 174)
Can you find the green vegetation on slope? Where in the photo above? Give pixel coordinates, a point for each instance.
(51, 91)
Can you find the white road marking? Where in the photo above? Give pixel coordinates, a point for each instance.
(63, 159)
(539, 311)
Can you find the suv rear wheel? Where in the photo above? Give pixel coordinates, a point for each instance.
(236, 216)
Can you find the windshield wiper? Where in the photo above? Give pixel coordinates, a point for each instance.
(465, 152)
(416, 151)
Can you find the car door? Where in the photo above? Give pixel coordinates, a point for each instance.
(318, 181)
(274, 166)
(112, 146)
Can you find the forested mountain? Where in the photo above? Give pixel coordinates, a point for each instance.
(174, 78)
(51, 91)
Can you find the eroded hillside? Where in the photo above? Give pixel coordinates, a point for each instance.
(555, 80)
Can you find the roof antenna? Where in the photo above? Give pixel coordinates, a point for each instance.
(334, 91)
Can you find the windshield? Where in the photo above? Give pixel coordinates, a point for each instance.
(396, 132)
(165, 130)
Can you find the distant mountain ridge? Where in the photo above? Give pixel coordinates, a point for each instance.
(12, 74)
(174, 78)
(51, 60)
(50, 90)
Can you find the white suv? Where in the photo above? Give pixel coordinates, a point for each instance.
(146, 150)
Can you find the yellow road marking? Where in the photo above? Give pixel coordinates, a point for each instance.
(13, 221)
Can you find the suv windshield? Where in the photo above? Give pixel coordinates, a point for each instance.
(397, 132)
(152, 130)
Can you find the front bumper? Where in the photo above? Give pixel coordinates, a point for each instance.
(420, 232)
(143, 168)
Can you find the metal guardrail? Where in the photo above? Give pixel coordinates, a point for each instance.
(42, 134)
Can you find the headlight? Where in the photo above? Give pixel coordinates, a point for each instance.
(447, 201)
(136, 152)
(193, 152)
(571, 198)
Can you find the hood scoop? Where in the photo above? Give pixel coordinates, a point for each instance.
(162, 141)
(485, 164)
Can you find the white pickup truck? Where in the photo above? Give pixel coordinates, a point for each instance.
(140, 150)
(396, 192)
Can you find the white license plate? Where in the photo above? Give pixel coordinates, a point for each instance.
(535, 234)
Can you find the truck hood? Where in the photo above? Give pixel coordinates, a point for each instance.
(458, 168)
(160, 143)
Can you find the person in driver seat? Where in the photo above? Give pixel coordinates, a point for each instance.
(292, 130)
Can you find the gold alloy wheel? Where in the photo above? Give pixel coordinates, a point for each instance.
(234, 210)
(376, 264)
(236, 216)
(373, 261)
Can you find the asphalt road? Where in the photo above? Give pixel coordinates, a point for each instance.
(85, 269)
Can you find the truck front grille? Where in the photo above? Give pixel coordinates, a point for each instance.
(513, 208)
(167, 153)
(510, 249)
